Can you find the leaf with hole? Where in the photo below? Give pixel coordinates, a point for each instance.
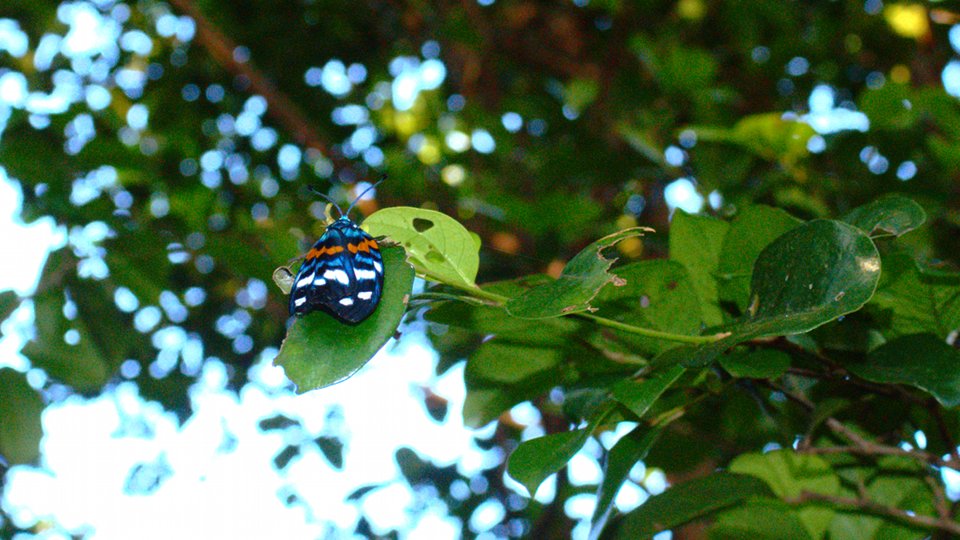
(437, 245)
(319, 350)
(579, 283)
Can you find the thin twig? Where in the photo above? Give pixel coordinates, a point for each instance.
(945, 434)
(873, 507)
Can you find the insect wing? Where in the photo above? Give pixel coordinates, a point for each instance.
(342, 274)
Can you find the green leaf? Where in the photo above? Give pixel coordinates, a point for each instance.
(688, 501)
(696, 242)
(535, 460)
(920, 360)
(639, 396)
(789, 474)
(657, 294)
(918, 300)
(759, 364)
(807, 277)
(630, 449)
(9, 301)
(504, 372)
(578, 284)
(20, 408)
(437, 245)
(320, 350)
(892, 214)
(490, 319)
(750, 232)
(759, 520)
(766, 135)
(897, 491)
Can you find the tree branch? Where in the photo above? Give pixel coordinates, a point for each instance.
(873, 507)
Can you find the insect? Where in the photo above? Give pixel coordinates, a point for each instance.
(342, 273)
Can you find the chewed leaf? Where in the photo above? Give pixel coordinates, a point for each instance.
(437, 245)
(578, 284)
(319, 350)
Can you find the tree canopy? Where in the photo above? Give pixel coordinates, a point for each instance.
(730, 226)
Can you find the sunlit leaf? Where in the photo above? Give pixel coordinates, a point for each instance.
(578, 284)
(319, 350)
(437, 245)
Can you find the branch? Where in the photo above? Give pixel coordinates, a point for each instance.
(873, 507)
(279, 107)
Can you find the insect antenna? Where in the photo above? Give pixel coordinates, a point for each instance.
(324, 195)
(355, 201)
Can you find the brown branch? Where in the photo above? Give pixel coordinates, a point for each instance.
(873, 507)
(280, 108)
(945, 434)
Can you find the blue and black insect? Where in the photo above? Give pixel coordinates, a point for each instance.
(342, 273)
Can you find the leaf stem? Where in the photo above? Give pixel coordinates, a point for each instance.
(648, 332)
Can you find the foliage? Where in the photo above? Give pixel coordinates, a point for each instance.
(812, 308)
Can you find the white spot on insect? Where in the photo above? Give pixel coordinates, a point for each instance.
(300, 301)
(338, 275)
(321, 282)
(346, 301)
(365, 295)
(378, 266)
(364, 274)
(305, 280)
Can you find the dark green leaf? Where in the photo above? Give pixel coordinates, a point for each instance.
(639, 396)
(688, 501)
(807, 277)
(578, 284)
(789, 474)
(332, 448)
(534, 460)
(657, 294)
(762, 519)
(437, 245)
(892, 214)
(20, 408)
(921, 360)
(918, 300)
(759, 364)
(319, 350)
(9, 301)
(630, 449)
(696, 243)
(750, 232)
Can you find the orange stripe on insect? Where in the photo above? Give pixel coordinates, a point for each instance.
(332, 250)
(363, 246)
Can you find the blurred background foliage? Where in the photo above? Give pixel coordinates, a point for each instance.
(177, 141)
